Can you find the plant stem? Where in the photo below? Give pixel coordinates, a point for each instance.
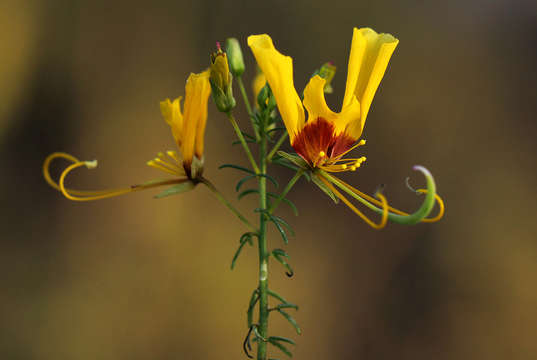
(223, 200)
(277, 145)
(263, 253)
(286, 190)
(248, 107)
(243, 142)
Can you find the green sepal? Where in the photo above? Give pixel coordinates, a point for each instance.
(324, 188)
(295, 159)
(196, 167)
(176, 189)
(223, 98)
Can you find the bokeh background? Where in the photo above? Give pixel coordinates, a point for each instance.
(138, 278)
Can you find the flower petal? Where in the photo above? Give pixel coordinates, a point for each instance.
(278, 70)
(315, 103)
(368, 60)
(197, 93)
(171, 112)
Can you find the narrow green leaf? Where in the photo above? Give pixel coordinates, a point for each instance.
(284, 163)
(287, 201)
(280, 252)
(243, 180)
(283, 222)
(250, 312)
(282, 261)
(280, 230)
(236, 142)
(247, 192)
(248, 136)
(176, 189)
(245, 238)
(277, 296)
(280, 346)
(291, 320)
(271, 179)
(280, 338)
(286, 306)
(275, 129)
(237, 167)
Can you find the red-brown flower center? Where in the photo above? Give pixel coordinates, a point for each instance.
(318, 137)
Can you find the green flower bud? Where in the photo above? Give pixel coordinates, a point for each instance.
(236, 62)
(327, 72)
(221, 81)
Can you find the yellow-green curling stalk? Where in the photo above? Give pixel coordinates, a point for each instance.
(188, 129)
(324, 140)
(221, 81)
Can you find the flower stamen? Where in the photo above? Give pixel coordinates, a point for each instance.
(383, 202)
(439, 201)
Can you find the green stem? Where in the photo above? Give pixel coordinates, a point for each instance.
(223, 200)
(263, 253)
(277, 146)
(248, 107)
(243, 142)
(286, 190)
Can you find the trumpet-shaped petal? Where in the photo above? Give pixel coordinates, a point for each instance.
(258, 83)
(315, 103)
(278, 70)
(368, 60)
(171, 112)
(197, 93)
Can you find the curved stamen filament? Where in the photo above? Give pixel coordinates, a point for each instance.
(360, 143)
(439, 201)
(82, 195)
(383, 201)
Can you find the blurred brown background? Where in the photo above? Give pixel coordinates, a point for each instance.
(137, 278)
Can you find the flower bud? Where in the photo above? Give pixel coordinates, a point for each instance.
(327, 72)
(236, 62)
(221, 80)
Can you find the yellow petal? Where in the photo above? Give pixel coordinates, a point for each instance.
(278, 70)
(197, 93)
(171, 111)
(315, 103)
(258, 83)
(368, 60)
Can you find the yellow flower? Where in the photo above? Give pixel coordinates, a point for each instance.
(188, 129)
(327, 135)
